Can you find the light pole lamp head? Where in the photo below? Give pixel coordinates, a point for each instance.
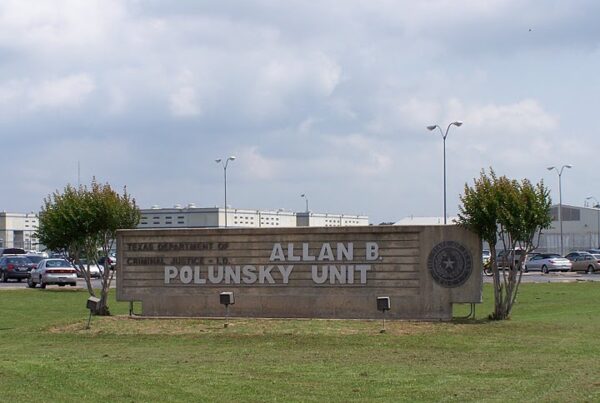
(218, 160)
(568, 166)
(432, 127)
(458, 123)
(550, 168)
(231, 158)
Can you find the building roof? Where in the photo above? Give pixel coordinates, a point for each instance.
(412, 220)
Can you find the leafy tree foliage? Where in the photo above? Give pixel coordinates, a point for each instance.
(508, 215)
(83, 222)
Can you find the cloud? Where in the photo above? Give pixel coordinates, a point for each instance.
(521, 117)
(62, 92)
(19, 97)
(54, 26)
(257, 166)
(496, 134)
(331, 97)
(357, 155)
(183, 102)
(289, 78)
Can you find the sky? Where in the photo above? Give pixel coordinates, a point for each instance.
(330, 99)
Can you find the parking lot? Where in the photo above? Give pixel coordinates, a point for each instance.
(13, 284)
(553, 277)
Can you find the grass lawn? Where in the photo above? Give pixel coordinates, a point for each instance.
(548, 351)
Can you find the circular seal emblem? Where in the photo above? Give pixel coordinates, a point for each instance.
(450, 264)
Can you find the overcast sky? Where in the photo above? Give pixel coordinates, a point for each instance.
(327, 98)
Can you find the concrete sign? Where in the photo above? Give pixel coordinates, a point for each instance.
(300, 272)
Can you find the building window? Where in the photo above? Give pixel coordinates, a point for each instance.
(568, 214)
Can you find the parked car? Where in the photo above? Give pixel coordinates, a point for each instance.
(108, 261)
(546, 262)
(15, 267)
(13, 251)
(94, 269)
(530, 256)
(52, 271)
(503, 257)
(35, 258)
(572, 255)
(594, 251)
(588, 263)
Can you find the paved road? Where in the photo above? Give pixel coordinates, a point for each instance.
(553, 277)
(14, 284)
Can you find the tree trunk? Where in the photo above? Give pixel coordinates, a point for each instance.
(102, 307)
(106, 280)
(498, 300)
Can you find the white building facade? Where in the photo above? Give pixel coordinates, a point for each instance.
(214, 217)
(418, 220)
(581, 230)
(17, 230)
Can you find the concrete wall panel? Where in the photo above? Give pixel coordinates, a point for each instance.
(301, 272)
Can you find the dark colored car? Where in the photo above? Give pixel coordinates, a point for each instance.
(503, 257)
(108, 261)
(574, 254)
(15, 267)
(13, 251)
(35, 258)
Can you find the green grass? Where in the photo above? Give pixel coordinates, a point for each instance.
(548, 351)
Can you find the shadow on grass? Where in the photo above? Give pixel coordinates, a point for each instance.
(77, 289)
(466, 321)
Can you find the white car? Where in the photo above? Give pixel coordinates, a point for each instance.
(52, 271)
(547, 262)
(95, 269)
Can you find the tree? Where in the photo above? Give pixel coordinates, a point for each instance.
(510, 215)
(83, 222)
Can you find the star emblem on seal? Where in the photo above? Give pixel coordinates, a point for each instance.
(450, 264)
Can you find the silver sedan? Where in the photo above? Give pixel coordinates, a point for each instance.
(52, 271)
(546, 262)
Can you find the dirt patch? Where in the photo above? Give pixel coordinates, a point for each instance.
(125, 325)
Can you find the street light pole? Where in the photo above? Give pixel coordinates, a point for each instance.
(458, 123)
(597, 207)
(560, 200)
(305, 199)
(225, 163)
